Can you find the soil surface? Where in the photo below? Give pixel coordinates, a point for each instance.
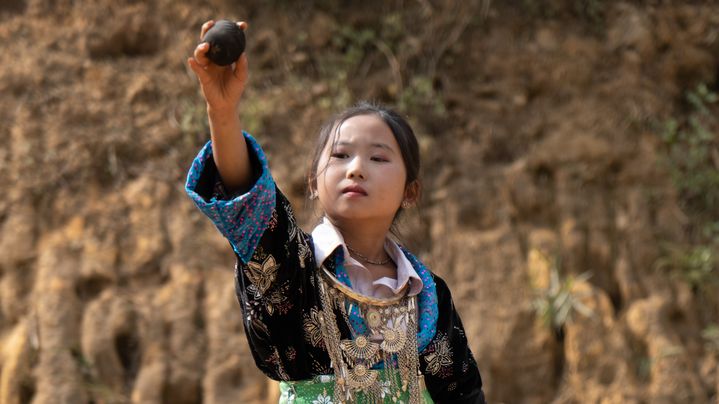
(541, 128)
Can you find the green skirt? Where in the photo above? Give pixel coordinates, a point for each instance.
(320, 390)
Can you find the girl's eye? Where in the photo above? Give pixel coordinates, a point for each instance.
(379, 159)
(338, 155)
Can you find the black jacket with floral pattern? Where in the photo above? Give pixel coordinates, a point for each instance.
(276, 284)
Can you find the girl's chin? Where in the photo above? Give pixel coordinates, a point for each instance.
(339, 216)
(353, 195)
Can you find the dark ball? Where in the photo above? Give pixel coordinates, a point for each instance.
(227, 42)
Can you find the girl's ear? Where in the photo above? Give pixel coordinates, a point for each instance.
(312, 187)
(412, 192)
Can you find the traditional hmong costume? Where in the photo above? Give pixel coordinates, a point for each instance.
(306, 325)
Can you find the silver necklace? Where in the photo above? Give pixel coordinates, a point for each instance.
(367, 260)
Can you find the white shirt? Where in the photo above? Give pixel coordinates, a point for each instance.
(327, 238)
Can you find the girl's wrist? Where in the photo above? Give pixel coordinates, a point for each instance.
(222, 113)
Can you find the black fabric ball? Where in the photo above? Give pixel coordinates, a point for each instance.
(227, 42)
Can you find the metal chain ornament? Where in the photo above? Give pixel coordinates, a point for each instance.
(391, 339)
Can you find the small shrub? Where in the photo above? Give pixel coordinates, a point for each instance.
(420, 93)
(691, 146)
(691, 150)
(696, 265)
(556, 303)
(190, 117)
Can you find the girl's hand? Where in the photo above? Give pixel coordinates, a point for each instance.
(222, 86)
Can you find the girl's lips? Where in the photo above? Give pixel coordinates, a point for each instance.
(354, 190)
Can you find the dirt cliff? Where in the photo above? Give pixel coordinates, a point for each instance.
(570, 157)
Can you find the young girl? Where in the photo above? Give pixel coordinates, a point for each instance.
(343, 314)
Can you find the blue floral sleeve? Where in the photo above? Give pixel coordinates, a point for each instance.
(274, 282)
(242, 218)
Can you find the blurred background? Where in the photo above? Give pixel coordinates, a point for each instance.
(571, 188)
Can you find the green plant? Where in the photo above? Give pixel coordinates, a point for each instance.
(190, 117)
(591, 11)
(556, 303)
(711, 336)
(97, 388)
(420, 93)
(393, 27)
(691, 146)
(710, 231)
(254, 111)
(696, 265)
(350, 47)
(644, 368)
(692, 153)
(353, 43)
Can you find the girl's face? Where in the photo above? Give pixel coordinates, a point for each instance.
(362, 174)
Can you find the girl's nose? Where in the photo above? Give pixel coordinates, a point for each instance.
(355, 170)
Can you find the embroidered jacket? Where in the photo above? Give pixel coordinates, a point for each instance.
(276, 285)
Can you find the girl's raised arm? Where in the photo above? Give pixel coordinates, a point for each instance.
(222, 87)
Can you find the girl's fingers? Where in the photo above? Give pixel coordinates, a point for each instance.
(200, 54)
(193, 66)
(200, 72)
(240, 71)
(205, 27)
(243, 25)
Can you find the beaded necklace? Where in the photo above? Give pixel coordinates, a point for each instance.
(366, 259)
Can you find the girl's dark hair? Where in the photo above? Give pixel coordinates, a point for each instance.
(403, 134)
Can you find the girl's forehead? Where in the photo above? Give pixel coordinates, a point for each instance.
(364, 128)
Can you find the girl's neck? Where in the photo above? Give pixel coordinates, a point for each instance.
(366, 238)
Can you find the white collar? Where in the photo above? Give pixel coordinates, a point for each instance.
(327, 238)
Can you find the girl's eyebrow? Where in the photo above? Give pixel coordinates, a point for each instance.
(382, 146)
(379, 145)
